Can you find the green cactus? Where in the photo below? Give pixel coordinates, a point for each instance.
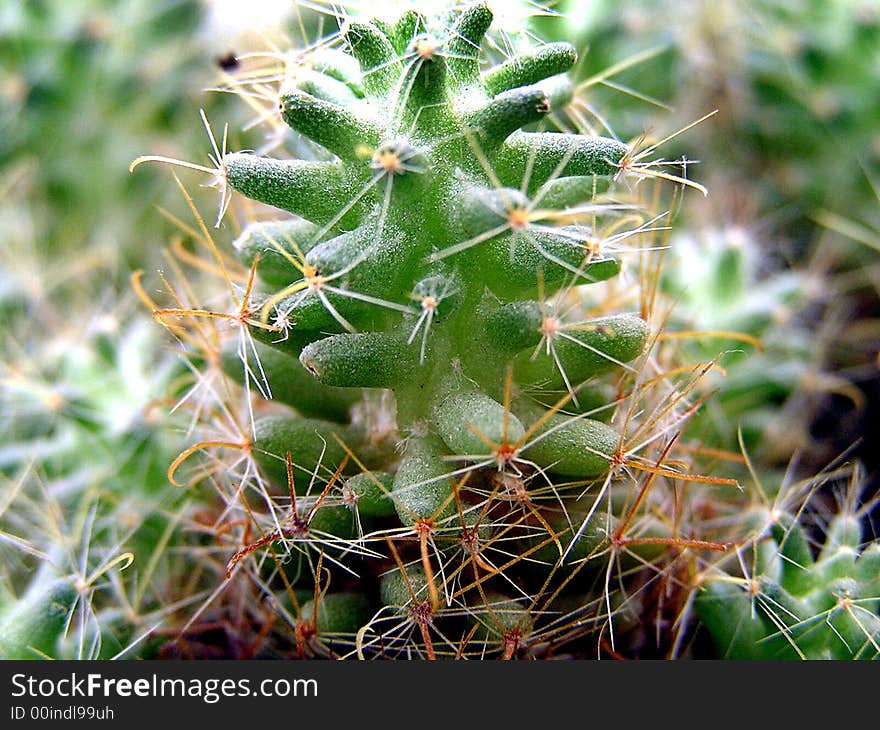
(435, 418)
(789, 600)
(420, 259)
(756, 323)
(84, 451)
(450, 441)
(425, 228)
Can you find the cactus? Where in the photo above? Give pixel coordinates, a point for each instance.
(435, 238)
(425, 240)
(454, 435)
(758, 324)
(33, 623)
(82, 469)
(788, 600)
(434, 418)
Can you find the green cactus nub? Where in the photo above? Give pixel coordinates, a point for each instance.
(360, 360)
(471, 422)
(314, 190)
(423, 92)
(31, 627)
(400, 589)
(465, 43)
(554, 154)
(288, 382)
(308, 441)
(422, 489)
(337, 613)
(549, 60)
(506, 113)
(591, 348)
(370, 494)
(409, 26)
(515, 326)
(330, 125)
(277, 246)
(580, 449)
(379, 61)
(337, 65)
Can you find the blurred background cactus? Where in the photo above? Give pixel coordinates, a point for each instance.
(781, 597)
(504, 385)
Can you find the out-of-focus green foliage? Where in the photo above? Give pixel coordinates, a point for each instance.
(85, 85)
(795, 84)
(790, 152)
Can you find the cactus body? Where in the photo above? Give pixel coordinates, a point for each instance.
(425, 312)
